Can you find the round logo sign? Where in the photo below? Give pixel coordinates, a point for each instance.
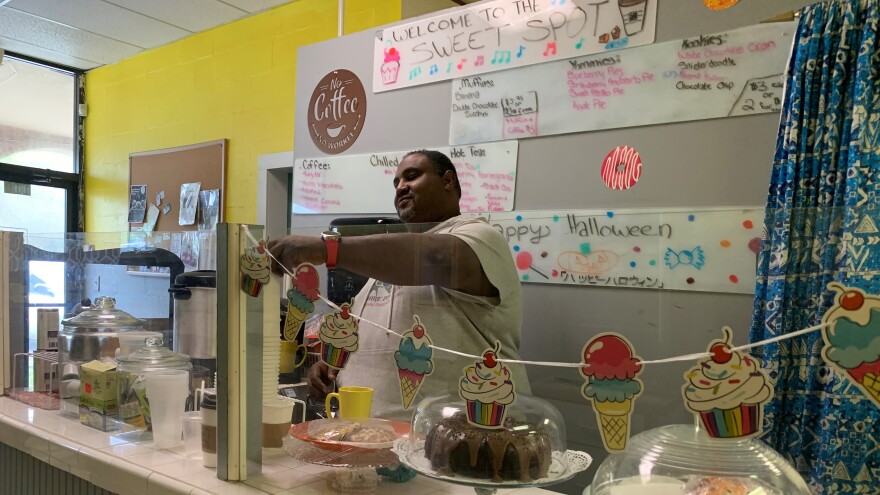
(337, 111)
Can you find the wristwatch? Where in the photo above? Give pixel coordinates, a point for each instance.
(331, 242)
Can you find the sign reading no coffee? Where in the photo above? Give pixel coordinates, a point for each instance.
(337, 111)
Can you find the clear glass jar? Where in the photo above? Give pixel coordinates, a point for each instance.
(134, 409)
(684, 460)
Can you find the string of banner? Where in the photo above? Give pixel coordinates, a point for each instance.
(686, 357)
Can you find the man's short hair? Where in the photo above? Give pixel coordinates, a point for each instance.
(441, 163)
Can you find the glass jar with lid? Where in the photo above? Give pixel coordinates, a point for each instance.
(89, 335)
(134, 409)
(684, 460)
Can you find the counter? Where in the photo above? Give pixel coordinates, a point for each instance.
(138, 469)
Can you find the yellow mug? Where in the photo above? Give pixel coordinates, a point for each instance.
(289, 350)
(354, 402)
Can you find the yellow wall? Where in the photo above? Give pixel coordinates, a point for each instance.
(235, 81)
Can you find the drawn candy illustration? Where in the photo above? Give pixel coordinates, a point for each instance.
(693, 257)
(488, 389)
(852, 338)
(728, 391)
(339, 337)
(413, 361)
(301, 299)
(611, 368)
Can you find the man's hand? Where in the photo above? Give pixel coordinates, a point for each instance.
(293, 250)
(321, 380)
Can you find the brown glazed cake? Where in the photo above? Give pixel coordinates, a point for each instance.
(455, 446)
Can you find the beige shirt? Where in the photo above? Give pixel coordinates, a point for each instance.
(453, 320)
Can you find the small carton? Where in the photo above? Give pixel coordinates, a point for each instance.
(98, 403)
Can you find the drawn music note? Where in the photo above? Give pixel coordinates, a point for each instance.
(579, 44)
(461, 64)
(557, 2)
(520, 52)
(449, 68)
(551, 49)
(501, 57)
(415, 73)
(434, 70)
(479, 61)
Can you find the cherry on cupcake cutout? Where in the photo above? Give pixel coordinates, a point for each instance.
(418, 329)
(851, 300)
(721, 353)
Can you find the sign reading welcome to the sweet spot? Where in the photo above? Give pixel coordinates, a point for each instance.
(703, 77)
(364, 183)
(711, 250)
(491, 36)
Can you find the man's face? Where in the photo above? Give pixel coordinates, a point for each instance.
(420, 193)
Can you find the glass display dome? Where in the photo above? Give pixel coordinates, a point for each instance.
(523, 444)
(684, 460)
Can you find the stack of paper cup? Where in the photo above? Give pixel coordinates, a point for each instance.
(271, 363)
(167, 391)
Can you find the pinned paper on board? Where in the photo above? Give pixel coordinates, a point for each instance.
(166, 209)
(152, 216)
(301, 299)
(137, 203)
(727, 391)
(209, 209)
(852, 338)
(720, 4)
(621, 168)
(610, 370)
(339, 337)
(159, 197)
(414, 361)
(487, 389)
(189, 202)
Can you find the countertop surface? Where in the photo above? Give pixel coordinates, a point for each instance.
(137, 468)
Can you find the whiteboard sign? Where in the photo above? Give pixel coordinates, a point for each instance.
(363, 183)
(713, 250)
(491, 36)
(728, 74)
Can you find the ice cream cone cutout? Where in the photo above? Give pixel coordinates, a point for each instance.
(727, 391)
(611, 368)
(852, 338)
(301, 299)
(254, 265)
(414, 361)
(339, 337)
(487, 389)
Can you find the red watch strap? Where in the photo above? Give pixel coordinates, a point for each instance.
(332, 246)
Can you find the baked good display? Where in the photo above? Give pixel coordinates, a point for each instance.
(455, 446)
(350, 431)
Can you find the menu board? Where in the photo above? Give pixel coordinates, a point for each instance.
(363, 183)
(712, 250)
(491, 36)
(709, 76)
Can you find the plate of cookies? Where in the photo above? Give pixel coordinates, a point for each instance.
(342, 434)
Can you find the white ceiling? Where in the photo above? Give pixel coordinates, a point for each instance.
(90, 33)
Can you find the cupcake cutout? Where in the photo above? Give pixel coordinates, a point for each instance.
(414, 361)
(339, 337)
(254, 265)
(852, 338)
(301, 299)
(488, 389)
(611, 369)
(727, 391)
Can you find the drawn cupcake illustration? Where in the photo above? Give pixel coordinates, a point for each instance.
(391, 67)
(339, 337)
(727, 391)
(487, 389)
(254, 270)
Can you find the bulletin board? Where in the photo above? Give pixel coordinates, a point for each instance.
(166, 169)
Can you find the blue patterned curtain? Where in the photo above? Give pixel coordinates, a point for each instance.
(822, 226)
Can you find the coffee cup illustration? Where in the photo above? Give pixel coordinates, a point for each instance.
(633, 14)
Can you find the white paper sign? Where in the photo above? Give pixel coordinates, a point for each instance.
(491, 36)
(363, 183)
(713, 250)
(728, 74)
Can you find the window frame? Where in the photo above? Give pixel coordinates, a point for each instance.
(71, 182)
